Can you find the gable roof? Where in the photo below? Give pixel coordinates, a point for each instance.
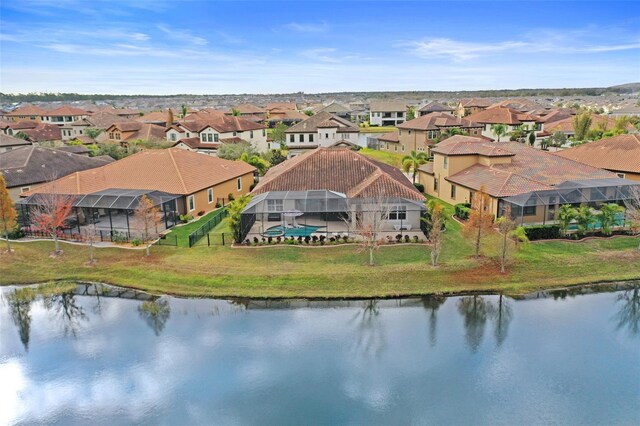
(435, 121)
(282, 106)
(173, 170)
(154, 117)
(387, 106)
(500, 115)
(27, 109)
(31, 164)
(322, 120)
(196, 143)
(475, 102)
(390, 137)
(341, 170)
(566, 124)
(620, 153)
(247, 109)
(102, 120)
(10, 141)
(333, 108)
(469, 145)
(65, 110)
(43, 132)
(434, 106)
(220, 122)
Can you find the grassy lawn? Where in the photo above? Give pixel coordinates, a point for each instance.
(183, 231)
(341, 271)
(386, 157)
(380, 129)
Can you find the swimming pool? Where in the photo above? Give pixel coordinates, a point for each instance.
(302, 231)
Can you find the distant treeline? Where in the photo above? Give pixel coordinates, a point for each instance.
(592, 91)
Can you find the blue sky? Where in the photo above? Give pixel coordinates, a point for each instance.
(207, 47)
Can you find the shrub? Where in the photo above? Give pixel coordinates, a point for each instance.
(247, 242)
(255, 240)
(279, 239)
(345, 238)
(398, 238)
(136, 242)
(118, 237)
(218, 205)
(270, 240)
(333, 240)
(542, 232)
(307, 239)
(415, 239)
(16, 233)
(200, 213)
(462, 211)
(231, 197)
(419, 186)
(407, 239)
(184, 218)
(314, 239)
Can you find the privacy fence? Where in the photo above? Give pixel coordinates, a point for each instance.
(205, 229)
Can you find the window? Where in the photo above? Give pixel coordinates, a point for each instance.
(210, 137)
(398, 213)
(471, 197)
(251, 134)
(399, 132)
(409, 131)
(435, 184)
(173, 137)
(301, 138)
(203, 137)
(216, 137)
(210, 195)
(311, 137)
(621, 175)
(326, 135)
(264, 132)
(453, 192)
(529, 211)
(24, 189)
(275, 205)
(235, 133)
(402, 148)
(239, 183)
(445, 163)
(188, 134)
(292, 138)
(191, 201)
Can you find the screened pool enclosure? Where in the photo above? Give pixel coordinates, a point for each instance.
(541, 207)
(328, 213)
(110, 210)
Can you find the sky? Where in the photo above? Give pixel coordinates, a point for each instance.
(223, 47)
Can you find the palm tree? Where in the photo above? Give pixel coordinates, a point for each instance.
(608, 215)
(413, 161)
(499, 130)
(256, 161)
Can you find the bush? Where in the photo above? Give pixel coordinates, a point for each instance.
(218, 205)
(200, 213)
(230, 197)
(184, 218)
(542, 232)
(16, 233)
(419, 186)
(136, 242)
(462, 210)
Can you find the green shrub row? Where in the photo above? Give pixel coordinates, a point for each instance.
(462, 210)
(542, 232)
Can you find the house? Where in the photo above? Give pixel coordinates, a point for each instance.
(329, 191)
(26, 113)
(101, 120)
(434, 107)
(319, 130)
(533, 183)
(519, 104)
(619, 154)
(249, 112)
(566, 125)
(288, 117)
(159, 118)
(389, 141)
(387, 113)
(508, 117)
(470, 106)
(214, 128)
(34, 131)
(421, 133)
(177, 180)
(27, 167)
(628, 111)
(9, 143)
(132, 130)
(64, 114)
(336, 109)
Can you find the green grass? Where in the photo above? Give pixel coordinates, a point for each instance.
(383, 156)
(380, 129)
(182, 231)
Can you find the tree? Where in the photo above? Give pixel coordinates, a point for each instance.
(452, 131)
(155, 313)
(146, 217)
(308, 112)
(52, 214)
(633, 212)
(621, 124)
(608, 215)
(22, 135)
(558, 139)
(367, 222)
(499, 130)
(480, 218)
(92, 133)
(413, 161)
(278, 134)
(436, 221)
(234, 151)
(581, 125)
(585, 219)
(256, 161)
(411, 113)
(519, 134)
(170, 118)
(532, 138)
(91, 236)
(184, 110)
(235, 112)
(506, 227)
(234, 217)
(566, 215)
(276, 157)
(7, 212)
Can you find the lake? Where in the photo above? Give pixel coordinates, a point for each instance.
(104, 356)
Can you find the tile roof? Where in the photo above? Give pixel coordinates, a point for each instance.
(521, 105)
(102, 120)
(154, 117)
(323, 120)
(387, 106)
(247, 109)
(475, 102)
(196, 143)
(437, 120)
(282, 106)
(566, 125)
(427, 168)
(333, 108)
(500, 115)
(31, 164)
(286, 114)
(435, 107)
(27, 109)
(220, 122)
(470, 145)
(43, 132)
(530, 169)
(65, 110)
(619, 153)
(341, 170)
(6, 141)
(390, 137)
(173, 170)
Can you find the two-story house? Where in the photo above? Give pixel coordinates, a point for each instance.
(26, 113)
(423, 132)
(64, 115)
(434, 107)
(387, 113)
(509, 117)
(249, 112)
(471, 106)
(320, 130)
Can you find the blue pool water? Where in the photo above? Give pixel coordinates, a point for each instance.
(619, 221)
(303, 231)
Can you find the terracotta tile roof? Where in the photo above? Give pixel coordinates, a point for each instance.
(341, 170)
(620, 153)
(566, 125)
(388, 106)
(523, 105)
(30, 165)
(470, 145)
(437, 120)
(65, 110)
(333, 108)
(427, 168)
(555, 115)
(390, 137)
(148, 132)
(530, 169)
(19, 125)
(220, 122)
(153, 117)
(282, 106)
(27, 109)
(6, 141)
(500, 115)
(196, 143)
(126, 111)
(475, 102)
(43, 132)
(173, 170)
(247, 109)
(435, 107)
(286, 114)
(320, 120)
(102, 120)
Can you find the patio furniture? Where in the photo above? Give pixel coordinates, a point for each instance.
(402, 227)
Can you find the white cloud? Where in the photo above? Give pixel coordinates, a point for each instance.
(308, 27)
(181, 35)
(322, 54)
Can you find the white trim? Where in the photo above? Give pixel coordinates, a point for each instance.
(239, 184)
(210, 198)
(189, 199)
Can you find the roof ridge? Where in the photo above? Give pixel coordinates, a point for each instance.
(173, 160)
(33, 148)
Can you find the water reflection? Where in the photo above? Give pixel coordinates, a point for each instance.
(65, 310)
(19, 302)
(155, 313)
(502, 315)
(475, 310)
(432, 303)
(369, 332)
(628, 315)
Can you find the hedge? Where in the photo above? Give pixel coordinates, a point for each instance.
(542, 232)
(462, 210)
(419, 186)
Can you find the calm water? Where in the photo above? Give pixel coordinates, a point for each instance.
(115, 359)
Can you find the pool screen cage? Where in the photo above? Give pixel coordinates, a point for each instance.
(110, 210)
(541, 207)
(325, 212)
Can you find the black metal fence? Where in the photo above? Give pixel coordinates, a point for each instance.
(204, 230)
(167, 240)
